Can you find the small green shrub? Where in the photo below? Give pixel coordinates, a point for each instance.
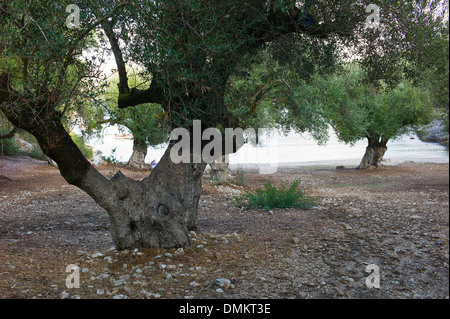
(271, 197)
(112, 158)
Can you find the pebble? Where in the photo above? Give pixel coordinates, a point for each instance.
(179, 252)
(120, 297)
(64, 295)
(171, 267)
(395, 255)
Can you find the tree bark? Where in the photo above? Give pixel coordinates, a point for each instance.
(158, 211)
(374, 154)
(137, 159)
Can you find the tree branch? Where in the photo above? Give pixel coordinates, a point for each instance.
(10, 134)
(121, 68)
(130, 97)
(73, 46)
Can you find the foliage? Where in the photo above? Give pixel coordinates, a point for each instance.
(111, 159)
(7, 145)
(146, 121)
(357, 110)
(271, 197)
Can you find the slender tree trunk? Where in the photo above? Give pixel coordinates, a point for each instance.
(219, 169)
(137, 159)
(374, 154)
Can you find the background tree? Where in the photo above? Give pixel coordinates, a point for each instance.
(145, 122)
(357, 110)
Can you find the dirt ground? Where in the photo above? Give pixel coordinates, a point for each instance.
(396, 218)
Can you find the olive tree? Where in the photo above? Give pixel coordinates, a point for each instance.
(357, 110)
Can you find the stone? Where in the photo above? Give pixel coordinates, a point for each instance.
(64, 295)
(221, 282)
(179, 252)
(171, 267)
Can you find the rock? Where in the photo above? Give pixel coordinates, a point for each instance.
(122, 280)
(169, 255)
(171, 267)
(100, 291)
(64, 295)
(179, 252)
(221, 282)
(194, 284)
(10, 266)
(97, 255)
(120, 296)
(394, 255)
(295, 240)
(434, 132)
(146, 293)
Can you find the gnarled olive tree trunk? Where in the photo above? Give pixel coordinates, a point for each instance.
(375, 151)
(157, 211)
(137, 159)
